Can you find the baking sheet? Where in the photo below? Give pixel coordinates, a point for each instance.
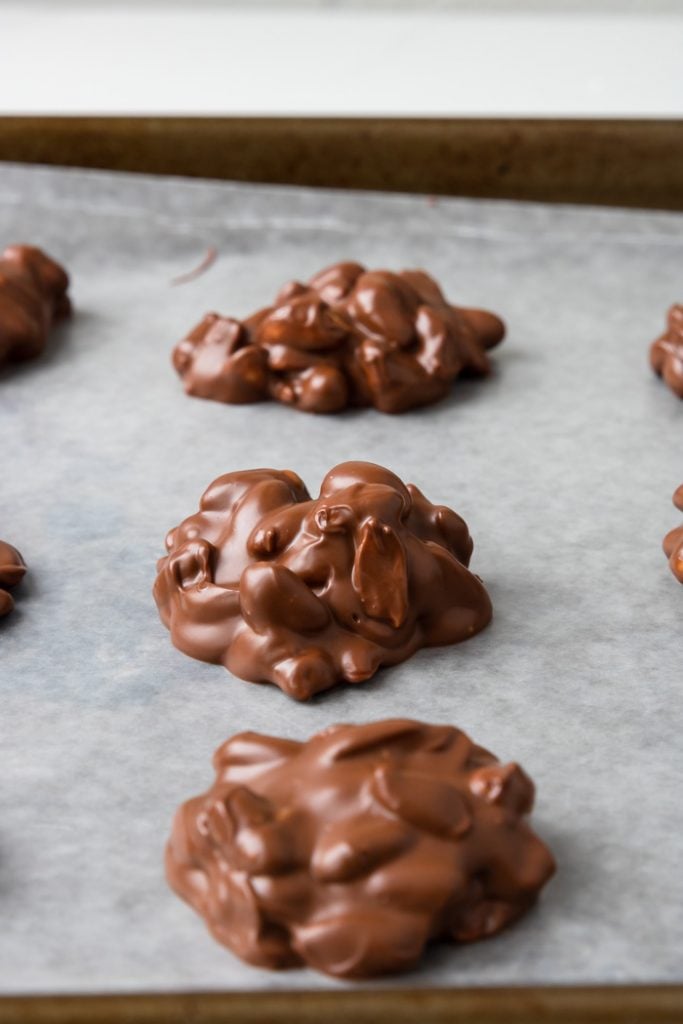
(563, 465)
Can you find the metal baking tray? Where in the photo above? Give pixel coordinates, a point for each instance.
(562, 464)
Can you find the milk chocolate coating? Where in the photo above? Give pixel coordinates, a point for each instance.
(12, 569)
(666, 353)
(352, 851)
(306, 593)
(32, 298)
(350, 337)
(673, 542)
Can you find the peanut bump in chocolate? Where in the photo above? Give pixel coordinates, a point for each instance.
(33, 297)
(304, 593)
(666, 353)
(12, 571)
(351, 852)
(673, 542)
(350, 337)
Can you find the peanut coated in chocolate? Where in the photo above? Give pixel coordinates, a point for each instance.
(307, 593)
(673, 542)
(350, 337)
(32, 298)
(12, 570)
(352, 851)
(666, 353)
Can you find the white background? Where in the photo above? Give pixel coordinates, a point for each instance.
(326, 58)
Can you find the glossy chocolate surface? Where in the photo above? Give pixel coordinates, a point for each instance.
(666, 353)
(12, 570)
(673, 542)
(352, 851)
(32, 298)
(307, 593)
(350, 337)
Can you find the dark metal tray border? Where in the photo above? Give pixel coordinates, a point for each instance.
(548, 1005)
(609, 162)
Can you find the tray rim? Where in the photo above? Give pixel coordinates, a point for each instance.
(625, 1004)
(613, 162)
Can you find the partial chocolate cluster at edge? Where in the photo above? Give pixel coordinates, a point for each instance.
(352, 851)
(666, 353)
(12, 570)
(350, 337)
(673, 542)
(32, 298)
(307, 593)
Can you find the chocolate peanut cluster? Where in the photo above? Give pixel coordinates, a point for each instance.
(12, 570)
(32, 298)
(350, 337)
(673, 542)
(666, 353)
(352, 851)
(306, 593)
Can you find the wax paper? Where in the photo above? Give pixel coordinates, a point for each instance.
(563, 464)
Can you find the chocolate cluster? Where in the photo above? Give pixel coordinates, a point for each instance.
(666, 353)
(32, 298)
(350, 337)
(306, 593)
(352, 851)
(673, 542)
(12, 569)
